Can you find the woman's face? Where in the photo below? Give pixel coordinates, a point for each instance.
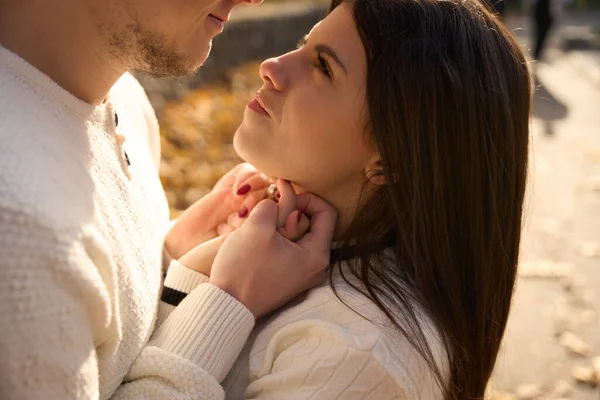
(307, 124)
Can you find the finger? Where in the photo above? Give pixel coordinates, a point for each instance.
(264, 215)
(287, 202)
(247, 176)
(228, 180)
(235, 221)
(225, 229)
(202, 257)
(207, 211)
(322, 222)
(295, 228)
(255, 181)
(303, 225)
(253, 198)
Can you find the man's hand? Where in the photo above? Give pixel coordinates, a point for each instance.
(292, 224)
(263, 269)
(237, 192)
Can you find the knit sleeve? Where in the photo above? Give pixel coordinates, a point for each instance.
(179, 282)
(55, 311)
(192, 351)
(319, 367)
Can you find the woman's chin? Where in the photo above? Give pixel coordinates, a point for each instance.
(240, 145)
(250, 151)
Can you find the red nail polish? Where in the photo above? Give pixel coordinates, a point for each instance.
(277, 195)
(243, 190)
(299, 216)
(243, 212)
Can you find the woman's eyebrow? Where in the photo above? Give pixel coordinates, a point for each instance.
(325, 49)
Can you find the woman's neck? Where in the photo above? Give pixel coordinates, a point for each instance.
(343, 201)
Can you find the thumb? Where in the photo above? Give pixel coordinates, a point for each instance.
(263, 215)
(296, 225)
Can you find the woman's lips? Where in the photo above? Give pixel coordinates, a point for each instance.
(258, 105)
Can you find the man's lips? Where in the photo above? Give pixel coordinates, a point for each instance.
(220, 18)
(218, 21)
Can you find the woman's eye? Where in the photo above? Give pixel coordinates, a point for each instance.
(323, 66)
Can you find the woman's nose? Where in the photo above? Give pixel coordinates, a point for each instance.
(273, 73)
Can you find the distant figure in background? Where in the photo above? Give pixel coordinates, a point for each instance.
(543, 19)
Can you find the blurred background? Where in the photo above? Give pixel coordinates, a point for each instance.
(552, 345)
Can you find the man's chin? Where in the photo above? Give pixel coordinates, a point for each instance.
(172, 65)
(173, 71)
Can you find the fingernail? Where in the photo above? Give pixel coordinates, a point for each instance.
(243, 190)
(243, 212)
(277, 195)
(299, 216)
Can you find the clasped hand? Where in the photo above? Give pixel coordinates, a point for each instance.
(261, 252)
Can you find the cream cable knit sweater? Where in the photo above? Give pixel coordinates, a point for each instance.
(81, 236)
(319, 348)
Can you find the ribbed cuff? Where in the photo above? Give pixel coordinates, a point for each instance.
(164, 310)
(179, 279)
(208, 328)
(182, 278)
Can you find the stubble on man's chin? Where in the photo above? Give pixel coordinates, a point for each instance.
(150, 53)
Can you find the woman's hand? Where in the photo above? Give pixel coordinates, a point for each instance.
(264, 270)
(238, 192)
(292, 224)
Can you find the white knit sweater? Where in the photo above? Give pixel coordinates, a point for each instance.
(81, 236)
(81, 242)
(322, 348)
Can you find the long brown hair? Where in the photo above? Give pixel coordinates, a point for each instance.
(448, 94)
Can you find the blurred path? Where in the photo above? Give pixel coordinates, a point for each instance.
(555, 323)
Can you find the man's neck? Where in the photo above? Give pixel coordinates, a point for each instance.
(63, 43)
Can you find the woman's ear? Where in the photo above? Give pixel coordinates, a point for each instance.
(374, 171)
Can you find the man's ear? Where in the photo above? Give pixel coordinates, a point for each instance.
(374, 171)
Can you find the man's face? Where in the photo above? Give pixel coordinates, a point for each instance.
(162, 37)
